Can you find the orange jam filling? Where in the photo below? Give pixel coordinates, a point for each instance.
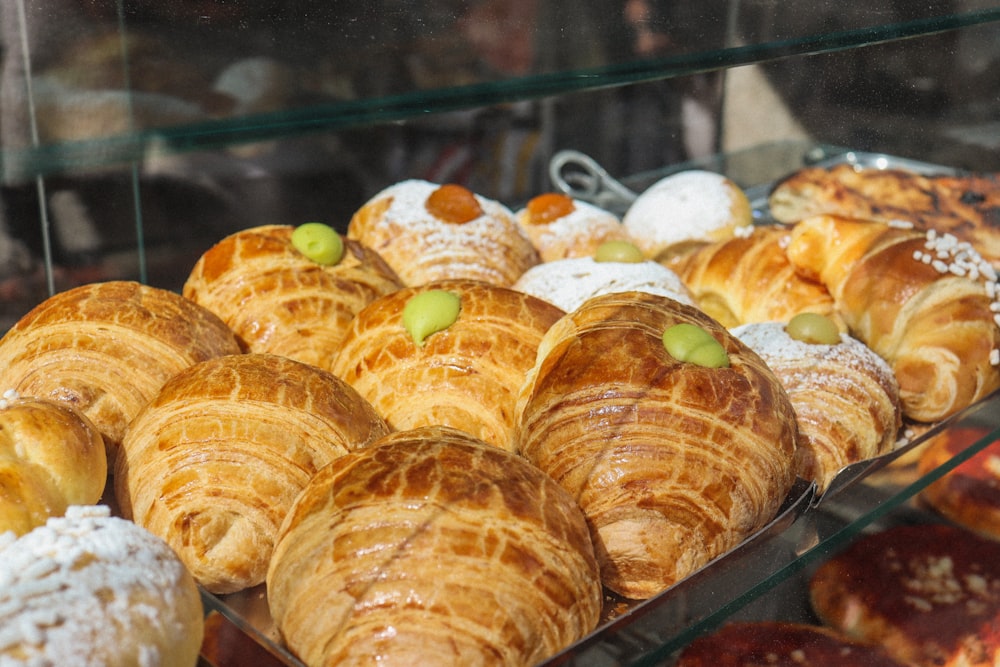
(548, 207)
(453, 203)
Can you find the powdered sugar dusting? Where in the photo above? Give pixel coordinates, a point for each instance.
(567, 283)
(584, 226)
(62, 582)
(684, 206)
(775, 346)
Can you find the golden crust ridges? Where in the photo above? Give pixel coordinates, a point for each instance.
(936, 327)
(215, 460)
(967, 206)
(107, 348)
(466, 376)
(278, 301)
(51, 457)
(672, 463)
(469, 553)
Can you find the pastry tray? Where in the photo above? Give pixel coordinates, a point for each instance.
(239, 629)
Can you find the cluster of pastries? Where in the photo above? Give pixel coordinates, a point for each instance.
(403, 426)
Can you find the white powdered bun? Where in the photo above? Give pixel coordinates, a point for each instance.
(568, 283)
(692, 206)
(92, 590)
(562, 227)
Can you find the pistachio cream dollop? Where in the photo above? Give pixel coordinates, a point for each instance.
(319, 242)
(693, 344)
(429, 312)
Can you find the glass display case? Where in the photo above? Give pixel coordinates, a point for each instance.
(134, 134)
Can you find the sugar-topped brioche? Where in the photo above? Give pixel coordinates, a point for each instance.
(92, 590)
(845, 396)
(426, 232)
(560, 226)
(685, 208)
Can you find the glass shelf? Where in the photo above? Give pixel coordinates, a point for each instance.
(201, 75)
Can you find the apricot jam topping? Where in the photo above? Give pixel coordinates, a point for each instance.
(548, 207)
(453, 203)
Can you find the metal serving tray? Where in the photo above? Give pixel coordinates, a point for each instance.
(646, 632)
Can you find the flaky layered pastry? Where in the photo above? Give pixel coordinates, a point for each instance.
(922, 302)
(673, 463)
(468, 553)
(466, 376)
(51, 457)
(845, 397)
(214, 461)
(277, 300)
(749, 279)
(107, 348)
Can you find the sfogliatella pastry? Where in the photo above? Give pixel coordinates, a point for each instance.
(427, 232)
(51, 457)
(468, 553)
(567, 283)
(675, 438)
(781, 644)
(684, 209)
(969, 494)
(453, 352)
(561, 227)
(107, 348)
(928, 593)
(214, 461)
(278, 299)
(845, 396)
(750, 279)
(92, 590)
(924, 303)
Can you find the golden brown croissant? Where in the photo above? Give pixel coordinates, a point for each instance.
(749, 279)
(468, 553)
(673, 463)
(51, 457)
(428, 232)
(922, 302)
(277, 300)
(107, 348)
(845, 396)
(215, 460)
(466, 376)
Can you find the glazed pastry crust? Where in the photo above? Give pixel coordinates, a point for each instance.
(216, 459)
(672, 463)
(470, 554)
(935, 328)
(107, 348)
(278, 301)
(750, 279)
(466, 376)
(51, 457)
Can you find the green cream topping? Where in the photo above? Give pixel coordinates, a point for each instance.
(618, 251)
(429, 312)
(813, 328)
(319, 242)
(692, 344)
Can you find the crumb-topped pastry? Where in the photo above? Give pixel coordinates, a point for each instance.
(92, 590)
(428, 232)
(845, 396)
(928, 593)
